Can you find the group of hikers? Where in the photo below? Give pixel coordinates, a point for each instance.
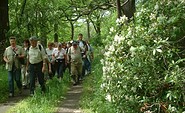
(33, 62)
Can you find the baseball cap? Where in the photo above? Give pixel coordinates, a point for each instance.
(75, 43)
(33, 38)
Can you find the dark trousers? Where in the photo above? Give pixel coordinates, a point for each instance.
(14, 75)
(60, 66)
(36, 71)
(85, 66)
(52, 74)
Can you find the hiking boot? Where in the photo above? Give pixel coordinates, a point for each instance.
(75, 84)
(11, 95)
(25, 87)
(20, 91)
(31, 95)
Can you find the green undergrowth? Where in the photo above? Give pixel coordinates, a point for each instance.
(44, 103)
(93, 99)
(3, 84)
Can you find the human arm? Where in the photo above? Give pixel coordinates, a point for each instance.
(5, 57)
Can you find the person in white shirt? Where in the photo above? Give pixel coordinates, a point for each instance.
(51, 67)
(24, 68)
(59, 55)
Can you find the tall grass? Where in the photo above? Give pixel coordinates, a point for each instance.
(93, 98)
(44, 103)
(3, 84)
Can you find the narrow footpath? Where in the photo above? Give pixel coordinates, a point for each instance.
(69, 105)
(4, 107)
(71, 102)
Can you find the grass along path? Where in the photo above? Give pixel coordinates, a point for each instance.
(3, 84)
(71, 103)
(44, 103)
(4, 107)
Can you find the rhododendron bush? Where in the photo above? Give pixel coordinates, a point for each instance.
(143, 66)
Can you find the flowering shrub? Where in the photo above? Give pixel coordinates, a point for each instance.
(142, 69)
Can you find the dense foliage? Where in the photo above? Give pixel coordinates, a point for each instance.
(142, 69)
(143, 66)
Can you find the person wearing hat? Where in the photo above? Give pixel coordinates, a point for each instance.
(37, 64)
(12, 55)
(74, 54)
(83, 46)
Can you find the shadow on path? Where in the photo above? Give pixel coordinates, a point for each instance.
(71, 102)
(4, 107)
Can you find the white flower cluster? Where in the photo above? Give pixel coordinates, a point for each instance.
(112, 30)
(121, 20)
(118, 38)
(108, 97)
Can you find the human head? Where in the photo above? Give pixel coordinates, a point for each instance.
(80, 36)
(26, 43)
(64, 45)
(12, 40)
(75, 44)
(33, 41)
(69, 44)
(50, 45)
(59, 46)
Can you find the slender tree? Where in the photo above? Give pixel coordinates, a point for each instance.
(88, 29)
(118, 9)
(4, 20)
(4, 25)
(129, 8)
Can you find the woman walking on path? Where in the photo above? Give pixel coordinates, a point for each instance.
(59, 55)
(51, 67)
(24, 68)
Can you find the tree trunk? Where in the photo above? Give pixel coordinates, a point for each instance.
(98, 27)
(118, 9)
(88, 29)
(129, 8)
(4, 25)
(4, 20)
(55, 32)
(72, 30)
(22, 10)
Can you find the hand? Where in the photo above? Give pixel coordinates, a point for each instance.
(50, 71)
(43, 69)
(84, 56)
(7, 61)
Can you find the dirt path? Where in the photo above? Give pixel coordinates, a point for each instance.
(71, 103)
(4, 107)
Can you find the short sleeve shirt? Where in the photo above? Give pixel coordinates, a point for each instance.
(10, 54)
(59, 54)
(36, 55)
(75, 54)
(49, 53)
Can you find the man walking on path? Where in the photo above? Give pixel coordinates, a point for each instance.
(12, 56)
(83, 46)
(75, 57)
(37, 66)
